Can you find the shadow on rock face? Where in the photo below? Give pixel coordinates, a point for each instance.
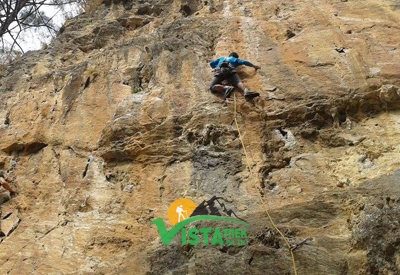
(325, 232)
(265, 253)
(214, 172)
(4, 198)
(376, 227)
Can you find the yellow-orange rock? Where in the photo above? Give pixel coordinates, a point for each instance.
(112, 122)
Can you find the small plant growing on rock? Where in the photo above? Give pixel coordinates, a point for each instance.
(136, 90)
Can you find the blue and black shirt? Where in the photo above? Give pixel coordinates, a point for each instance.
(235, 62)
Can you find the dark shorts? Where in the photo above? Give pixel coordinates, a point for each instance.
(233, 80)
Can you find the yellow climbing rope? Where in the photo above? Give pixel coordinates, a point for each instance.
(262, 201)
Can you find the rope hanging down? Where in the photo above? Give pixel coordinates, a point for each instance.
(262, 201)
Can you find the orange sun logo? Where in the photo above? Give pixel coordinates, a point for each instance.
(180, 210)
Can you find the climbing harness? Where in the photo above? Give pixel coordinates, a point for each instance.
(225, 69)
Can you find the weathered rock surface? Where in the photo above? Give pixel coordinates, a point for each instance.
(112, 122)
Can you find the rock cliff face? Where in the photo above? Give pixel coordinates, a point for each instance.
(112, 122)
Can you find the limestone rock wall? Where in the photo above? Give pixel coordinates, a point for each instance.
(112, 122)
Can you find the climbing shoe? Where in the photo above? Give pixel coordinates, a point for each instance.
(228, 91)
(250, 95)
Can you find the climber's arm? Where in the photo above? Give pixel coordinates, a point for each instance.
(214, 63)
(247, 63)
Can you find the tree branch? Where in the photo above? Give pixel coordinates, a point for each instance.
(15, 42)
(17, 16)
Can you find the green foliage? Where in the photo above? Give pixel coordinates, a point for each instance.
(136, 90)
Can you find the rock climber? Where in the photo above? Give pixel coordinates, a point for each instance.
(5, 185)
(224, 69)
